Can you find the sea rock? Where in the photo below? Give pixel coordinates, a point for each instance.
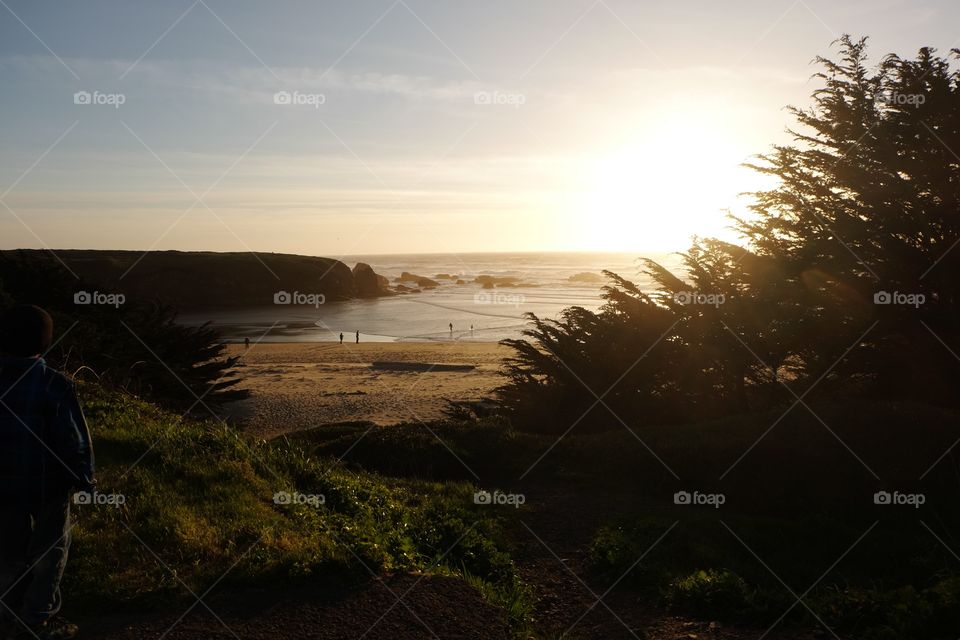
(422, 281)
(489, 282)
(366, 282)
(586, 277)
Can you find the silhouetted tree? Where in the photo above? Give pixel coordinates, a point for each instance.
(867, 200)
(137, 345)
(866, 205)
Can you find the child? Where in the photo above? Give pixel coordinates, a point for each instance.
(45, 456)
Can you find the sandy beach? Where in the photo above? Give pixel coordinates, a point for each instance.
(298, 386)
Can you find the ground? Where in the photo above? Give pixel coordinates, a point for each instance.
(299, 386)
(296, 386)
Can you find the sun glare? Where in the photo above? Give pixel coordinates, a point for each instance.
(670, 181)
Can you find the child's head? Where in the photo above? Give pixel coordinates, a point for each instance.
(25, 331)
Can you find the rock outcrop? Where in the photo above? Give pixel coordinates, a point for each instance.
(192, 280)
(421, 281)
(366, 282)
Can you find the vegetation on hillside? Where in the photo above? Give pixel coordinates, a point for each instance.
(803, 375)
(898, 581)
(198, 500)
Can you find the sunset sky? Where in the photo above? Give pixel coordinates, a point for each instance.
(423, 126)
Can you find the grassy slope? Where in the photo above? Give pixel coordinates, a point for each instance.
(199, 496)
(199, 503)
(800, 499)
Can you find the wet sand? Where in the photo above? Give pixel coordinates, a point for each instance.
(297, 386)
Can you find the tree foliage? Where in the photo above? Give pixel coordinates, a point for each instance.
(845, 283)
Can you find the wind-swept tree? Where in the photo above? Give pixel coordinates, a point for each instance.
(846, 281)
(867, 205)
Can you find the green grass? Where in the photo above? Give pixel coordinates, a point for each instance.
(800, 499)
(199, 504)
(897, 582)
(199, 496)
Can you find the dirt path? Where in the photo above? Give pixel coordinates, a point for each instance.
(429, 607)
(554, 535)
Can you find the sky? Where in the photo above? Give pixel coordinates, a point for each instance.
(407, 126)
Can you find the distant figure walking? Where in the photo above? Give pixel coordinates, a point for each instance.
(341, 337)
(451, 327)
(358, 337)
(246, 342)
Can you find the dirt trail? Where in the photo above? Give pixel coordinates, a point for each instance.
(429, 607)
(554, 535)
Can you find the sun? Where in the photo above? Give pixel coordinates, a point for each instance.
(668, 182)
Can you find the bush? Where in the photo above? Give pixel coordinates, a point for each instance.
(700, 569)
(710, 593)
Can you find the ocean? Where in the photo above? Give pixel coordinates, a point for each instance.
(543, 283)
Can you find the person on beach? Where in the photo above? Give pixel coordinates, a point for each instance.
(451, 327)
(246, 342)
(45, 456)
(358, 336)
(341, 337)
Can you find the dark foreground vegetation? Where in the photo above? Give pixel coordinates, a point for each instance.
(199, 513)
(873, 570)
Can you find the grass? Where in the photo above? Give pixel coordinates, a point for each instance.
(799, 501)
(896, 581)
(199, 505)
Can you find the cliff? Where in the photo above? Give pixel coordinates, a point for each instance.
(202, 280)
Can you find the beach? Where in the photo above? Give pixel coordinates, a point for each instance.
(295, 386)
